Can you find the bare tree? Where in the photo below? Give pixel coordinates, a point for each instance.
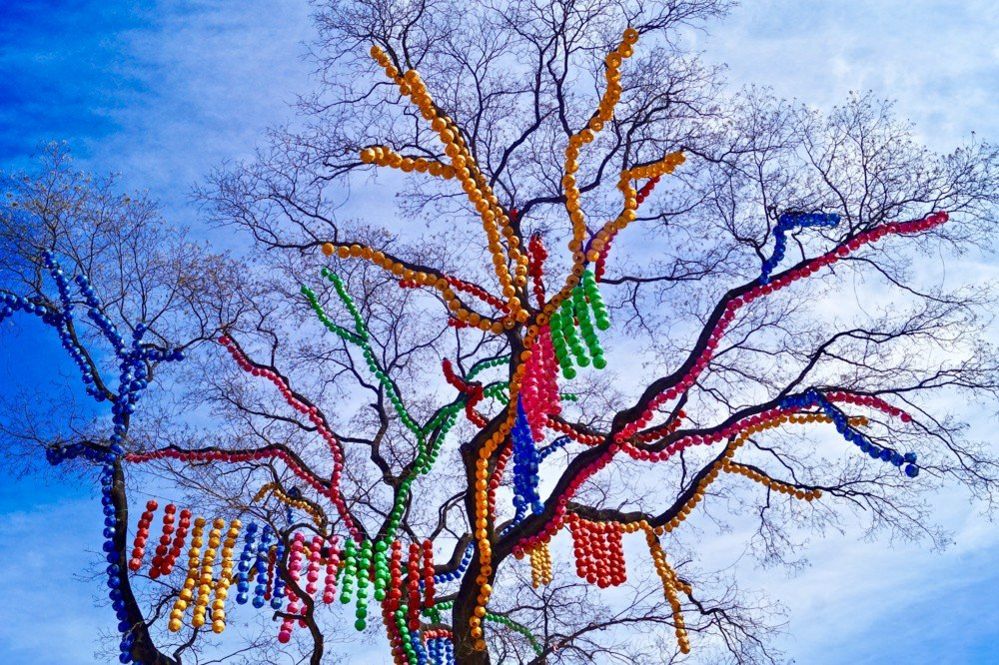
(765, 268)
(125, 293)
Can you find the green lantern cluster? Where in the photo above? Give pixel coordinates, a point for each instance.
(348, 572)
(579, 348)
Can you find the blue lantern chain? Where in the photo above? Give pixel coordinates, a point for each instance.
(466, 559)
(785, 223)
(278, 592)
(813, 397)
(554, 446)
(260, 567)
(114, 570)
(243, 569)
(525, 466)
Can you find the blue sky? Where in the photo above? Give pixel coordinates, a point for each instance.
(164, 91)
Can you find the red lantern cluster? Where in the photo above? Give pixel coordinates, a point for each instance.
(599, 551)
(428, 574)
(539, 388)
(413, 585)
(393, 597)
(312, 574)
(141, 535)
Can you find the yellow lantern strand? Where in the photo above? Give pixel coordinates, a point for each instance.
(381, 155)
(671, 583)
(186, 594)
(315, 512)
(225, 577)
(541, 565)
(206, 581)
(725, 463)
(605, 111)
(495, 220)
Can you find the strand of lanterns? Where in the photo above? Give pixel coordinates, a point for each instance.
(785, 223)
(464, 287)
(314, 511)
(813, 397)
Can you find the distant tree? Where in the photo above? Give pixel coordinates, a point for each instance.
(764, 268)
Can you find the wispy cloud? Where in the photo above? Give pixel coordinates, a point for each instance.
(938, 58)
(161, 92)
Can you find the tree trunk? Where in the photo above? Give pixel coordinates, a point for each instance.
(144, 650)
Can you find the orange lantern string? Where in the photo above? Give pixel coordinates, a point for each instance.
(495, 220)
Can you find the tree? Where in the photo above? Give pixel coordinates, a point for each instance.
(127, 295)
(737, 222)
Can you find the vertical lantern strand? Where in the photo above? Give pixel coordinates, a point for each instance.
(525, 466)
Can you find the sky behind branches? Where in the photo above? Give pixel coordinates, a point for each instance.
(165, 91)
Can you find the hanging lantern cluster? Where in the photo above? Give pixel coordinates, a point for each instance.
(599, 551)
(575, 313)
